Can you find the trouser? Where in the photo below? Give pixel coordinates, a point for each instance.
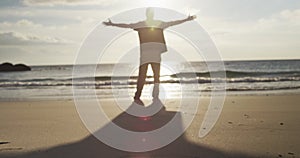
(142, 79)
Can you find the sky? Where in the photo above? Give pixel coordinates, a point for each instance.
(43, 32)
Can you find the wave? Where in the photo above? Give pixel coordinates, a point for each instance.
(239, 80)
(124, 85)
(236, 74)
(183, 77)
(132, 81)
(263, 88)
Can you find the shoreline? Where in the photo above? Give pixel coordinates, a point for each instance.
(287, 92)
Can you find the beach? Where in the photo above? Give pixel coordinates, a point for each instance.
(149, 79)
(249, 126)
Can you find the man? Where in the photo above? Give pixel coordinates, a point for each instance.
(152, 44)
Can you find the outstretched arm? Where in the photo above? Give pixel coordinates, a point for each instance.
(177, 22)
(109, 23)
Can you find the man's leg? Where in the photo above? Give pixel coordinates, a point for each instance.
(156, 75)
(141, 80)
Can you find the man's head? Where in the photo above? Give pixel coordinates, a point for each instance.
(149, 13)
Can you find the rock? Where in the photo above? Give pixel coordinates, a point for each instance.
(21, 67)
(8, 67)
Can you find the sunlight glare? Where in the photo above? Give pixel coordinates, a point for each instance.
(164, 71)
(156, 3)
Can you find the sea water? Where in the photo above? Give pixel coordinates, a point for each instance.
(262, 77)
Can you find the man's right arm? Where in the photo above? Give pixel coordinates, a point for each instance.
(122, 25)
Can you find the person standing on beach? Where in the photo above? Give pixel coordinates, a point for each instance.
(152, 45)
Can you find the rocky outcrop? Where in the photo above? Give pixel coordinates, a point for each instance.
(8, 67)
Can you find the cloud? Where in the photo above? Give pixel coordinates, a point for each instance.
(20, 23)
(25, 22)
(16, 38)
(284, 21)
(67, 2)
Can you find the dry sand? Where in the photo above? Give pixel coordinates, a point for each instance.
(249, 126)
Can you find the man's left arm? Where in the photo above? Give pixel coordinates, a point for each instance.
(177, 22)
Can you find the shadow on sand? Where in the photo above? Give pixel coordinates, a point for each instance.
(91, 147)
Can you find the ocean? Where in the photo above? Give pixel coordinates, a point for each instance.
(264, 77)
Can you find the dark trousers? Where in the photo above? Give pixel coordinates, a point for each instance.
(142, 78)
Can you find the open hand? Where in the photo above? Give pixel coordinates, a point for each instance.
(107, 23)
(191, 17)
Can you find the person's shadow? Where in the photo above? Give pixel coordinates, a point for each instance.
(91, 147)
